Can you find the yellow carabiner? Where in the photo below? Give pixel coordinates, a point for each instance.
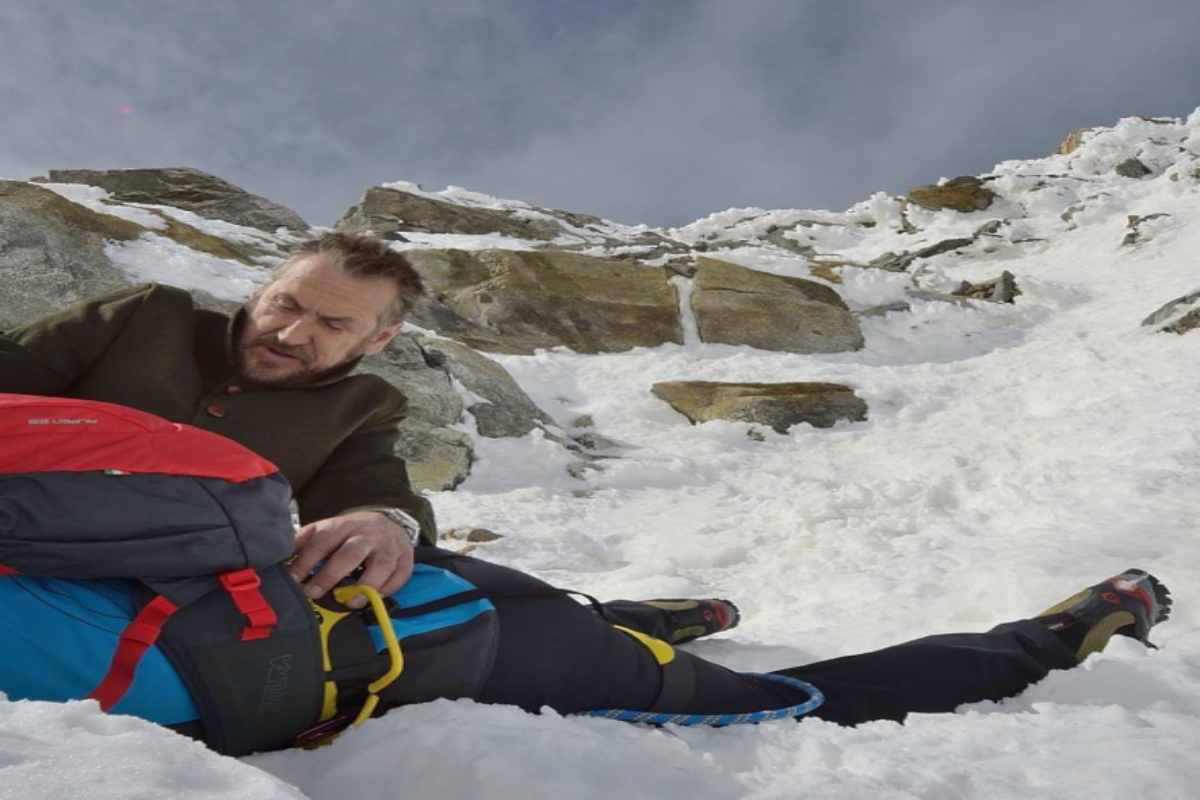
(344, 593)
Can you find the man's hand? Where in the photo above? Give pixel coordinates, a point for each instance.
(344, 542)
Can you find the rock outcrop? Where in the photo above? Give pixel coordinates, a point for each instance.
(1072, 141)
(434, 375)
(388, 212)
(1133, 168)
(190, 189)
(966, 193)
(52, 252)
(1178, 316)
(998, 290)
(736, 305)
(776, 405)
(518, 301)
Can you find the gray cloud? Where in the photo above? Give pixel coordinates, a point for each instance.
(642, 112)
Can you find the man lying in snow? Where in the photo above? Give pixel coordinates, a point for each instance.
(142, 564)
(150, 570)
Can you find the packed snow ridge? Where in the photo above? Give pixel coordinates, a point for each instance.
(1013, 454)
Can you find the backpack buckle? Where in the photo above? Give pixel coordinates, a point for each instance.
(243, 587)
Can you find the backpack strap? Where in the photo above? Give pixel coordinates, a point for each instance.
(137, 637)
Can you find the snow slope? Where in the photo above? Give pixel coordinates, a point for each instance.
(1013, 454)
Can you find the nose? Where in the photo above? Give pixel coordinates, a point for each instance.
(294, 333)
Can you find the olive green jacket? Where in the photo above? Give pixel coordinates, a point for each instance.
(150, 348)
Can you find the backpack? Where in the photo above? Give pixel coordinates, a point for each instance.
(203, 524)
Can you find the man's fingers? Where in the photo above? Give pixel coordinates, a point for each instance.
(312, 547)
(389, 572)
(401, 574)
(349, 555)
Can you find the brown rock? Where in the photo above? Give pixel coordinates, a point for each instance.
(899, 263)
(472, 535)
(777, 405)
(1178, 316)
(517, 301)
(189, 189)
(387, 212)
(736, 305)
(964, 194)
(1000, 290)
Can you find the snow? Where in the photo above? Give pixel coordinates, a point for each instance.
(1013, 454)
(156, 258)
(96, 199)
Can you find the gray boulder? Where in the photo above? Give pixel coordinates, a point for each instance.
(1133, 168)
(776, 405)
(425, 369)
(736, 305)
(189, 189)
(505, 410)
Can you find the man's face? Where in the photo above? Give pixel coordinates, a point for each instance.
(312, 319)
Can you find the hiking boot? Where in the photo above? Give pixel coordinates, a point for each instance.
(1129, 604)
(691, 619)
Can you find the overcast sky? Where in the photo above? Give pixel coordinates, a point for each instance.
(658, 111)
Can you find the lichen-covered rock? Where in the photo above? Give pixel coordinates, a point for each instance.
(518, 301)
(52, 252)
(736, 305)
(387, 212)
(776, 405)
(1178, 316)
(438, 459)
(966, 194)
(189, 189)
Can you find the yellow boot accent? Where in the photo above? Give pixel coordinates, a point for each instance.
(1101, 632)
(663, 653)
(1078, 597)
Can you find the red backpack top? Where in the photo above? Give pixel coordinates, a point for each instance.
(96, 490)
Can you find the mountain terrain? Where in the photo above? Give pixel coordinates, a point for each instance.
(924, 413)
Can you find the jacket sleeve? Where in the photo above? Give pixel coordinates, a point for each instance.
(49, 355)
(364, 471)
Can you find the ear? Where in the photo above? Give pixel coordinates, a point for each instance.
(379, 340)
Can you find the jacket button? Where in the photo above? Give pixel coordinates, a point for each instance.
(215, 410)
(233, 389)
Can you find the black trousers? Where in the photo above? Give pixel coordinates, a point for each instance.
(556, 652)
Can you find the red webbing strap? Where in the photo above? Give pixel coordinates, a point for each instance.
(7, 570)
(141, 632)
(243, 586)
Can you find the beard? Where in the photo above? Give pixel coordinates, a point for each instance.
(304, 373)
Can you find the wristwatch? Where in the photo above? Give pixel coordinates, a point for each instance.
(404, 520)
